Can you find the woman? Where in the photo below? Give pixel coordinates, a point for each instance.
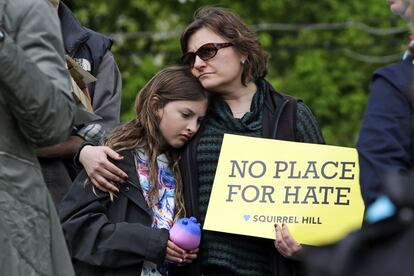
(127, 234)
(225, 55)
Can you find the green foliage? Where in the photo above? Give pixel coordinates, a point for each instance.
(328, 68)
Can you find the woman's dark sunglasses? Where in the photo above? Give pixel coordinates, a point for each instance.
(205, 52)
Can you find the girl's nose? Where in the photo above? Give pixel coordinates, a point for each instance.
(192, 126)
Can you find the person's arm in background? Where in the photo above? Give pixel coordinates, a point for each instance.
(66, 149)
(384, 143)
(34, 75)
(106, 103)
(108, 90)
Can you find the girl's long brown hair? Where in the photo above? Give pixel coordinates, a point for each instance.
(170, 84)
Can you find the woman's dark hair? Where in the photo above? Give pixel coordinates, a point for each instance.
(230, 26)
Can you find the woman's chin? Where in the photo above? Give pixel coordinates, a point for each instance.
(209, 84)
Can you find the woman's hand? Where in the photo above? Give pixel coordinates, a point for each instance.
(99, 169)
(285, 243)
(178, 255)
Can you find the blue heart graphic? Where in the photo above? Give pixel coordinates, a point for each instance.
(246, 217)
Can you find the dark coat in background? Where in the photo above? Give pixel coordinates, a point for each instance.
(385, 143)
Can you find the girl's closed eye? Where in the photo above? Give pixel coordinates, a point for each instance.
(185, 115)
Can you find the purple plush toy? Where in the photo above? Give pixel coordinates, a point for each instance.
(186, 233)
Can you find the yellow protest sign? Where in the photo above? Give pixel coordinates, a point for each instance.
(314, 189)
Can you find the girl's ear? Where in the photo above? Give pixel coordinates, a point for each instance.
(156, 104)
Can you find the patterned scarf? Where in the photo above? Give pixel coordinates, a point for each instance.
(163, 209)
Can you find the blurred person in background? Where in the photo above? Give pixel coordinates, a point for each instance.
(36, 110)
(91, 50)
(401, 8)
(385, 144)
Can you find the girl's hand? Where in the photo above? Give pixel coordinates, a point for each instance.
(99, 169)
(190, 256)
(285, 243)
(175, 253)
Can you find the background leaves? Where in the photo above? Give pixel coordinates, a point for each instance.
(323, 52)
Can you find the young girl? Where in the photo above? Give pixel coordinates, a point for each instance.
(127, 233)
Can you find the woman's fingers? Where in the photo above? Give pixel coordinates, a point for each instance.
(113, 173)
(112, 168)
(103, 184)
(279, 242)
(97, 185)
(112, 154)
(285, 243)
(100, 170)
(290, 242)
